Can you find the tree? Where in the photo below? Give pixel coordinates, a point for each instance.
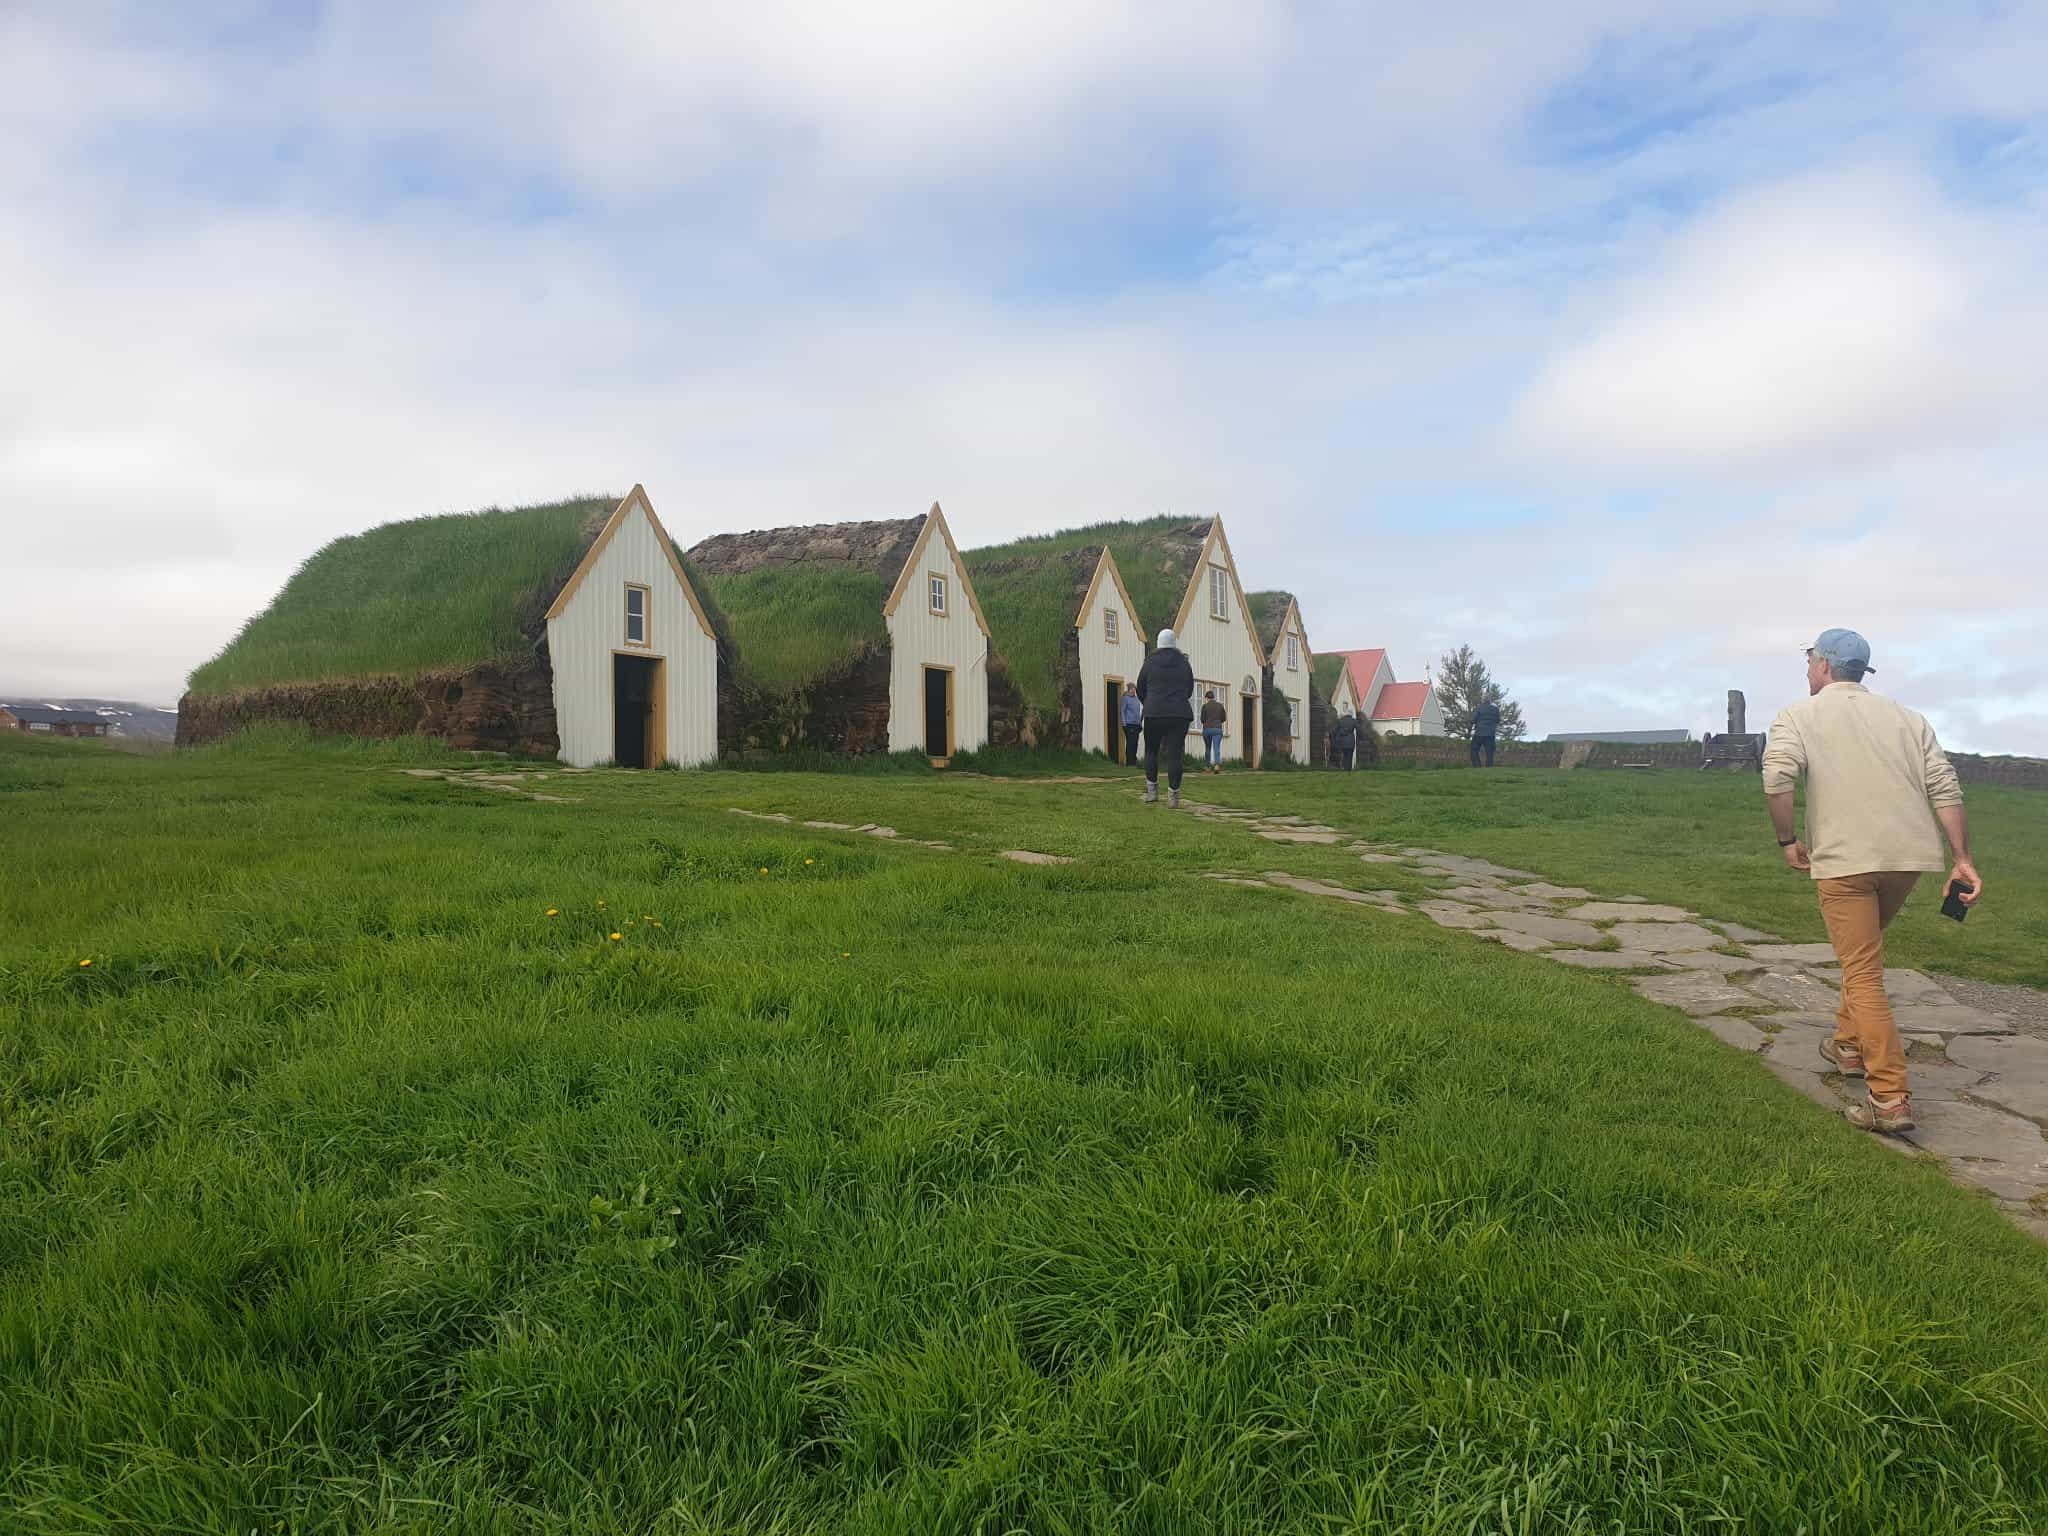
(1462, 684)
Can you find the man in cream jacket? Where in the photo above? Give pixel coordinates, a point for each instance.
(1880, 795)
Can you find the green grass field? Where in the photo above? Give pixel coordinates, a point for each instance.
(409, 597)
(859, 1187)
(790, 626)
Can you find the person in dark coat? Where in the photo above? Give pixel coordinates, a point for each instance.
(1485, 727)
(1133, 721)
(1344, 740)
(1166, 689)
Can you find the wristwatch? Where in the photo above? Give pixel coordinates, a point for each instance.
(1787, 842)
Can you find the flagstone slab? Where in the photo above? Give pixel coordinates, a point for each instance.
(1292, 836)
(1949, 1019)
(1987, 1147)
(1794, 954)
(1630, 911)
(1451, 914)
(1789, 989)
(1527, 942)
(1611, 960)
(1697, 992)
(1798, 1045)
(1558, 930)
(1549, 892)
(1710, 960)
(1740, 1033)
(2020, 1065)
(1665, 936)
(1742, 935)
(1904, 986)
(1026, 856)
(1381, 858)
(1813, 1087)
(1496, 896)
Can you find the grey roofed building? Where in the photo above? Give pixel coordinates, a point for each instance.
(42, 714)
(1625, 738)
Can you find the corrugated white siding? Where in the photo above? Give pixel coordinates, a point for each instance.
(920, 639)
(1101, 661)
(1295, 685)
(584, 636)
(1221, 651)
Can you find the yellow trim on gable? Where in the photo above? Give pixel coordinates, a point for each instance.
(604, 537)
(934, 519)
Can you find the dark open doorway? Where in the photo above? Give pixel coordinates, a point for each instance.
(1251, 730)
(938, 712)
(1113, 719)
(636, 737)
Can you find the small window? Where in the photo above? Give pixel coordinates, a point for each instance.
(1219, 592)
(938, 595)
(1293, 718)
(636, 615)
(1109, 625)
(1294, 653)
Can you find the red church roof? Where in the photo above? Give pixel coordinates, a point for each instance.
(1400, 701)
(1362, 665)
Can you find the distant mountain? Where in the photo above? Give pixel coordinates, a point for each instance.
(124, 717)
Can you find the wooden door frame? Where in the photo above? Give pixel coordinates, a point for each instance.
(923, 706)
(1255, 702)
(655, 749)
(1115, 726)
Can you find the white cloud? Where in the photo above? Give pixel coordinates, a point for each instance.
(1831, 320)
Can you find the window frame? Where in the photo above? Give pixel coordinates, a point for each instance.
(1293, 651)
(1219, 593)
(646, 640)
(1112, 627)
(938, 594)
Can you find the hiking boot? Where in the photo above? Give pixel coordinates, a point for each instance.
(1848, 1059)
(1877, 1115)
(1151, 792)
(1173, 800)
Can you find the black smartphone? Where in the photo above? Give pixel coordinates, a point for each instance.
(1953, 906)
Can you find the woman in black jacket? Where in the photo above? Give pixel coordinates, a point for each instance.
(1166, 682)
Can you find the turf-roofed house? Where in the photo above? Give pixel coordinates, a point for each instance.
(565, 630)
(850, 638)
(1068, 634)
(1297, 715)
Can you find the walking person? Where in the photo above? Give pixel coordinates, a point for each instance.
(1485, 728)
(1344, 740)
(1877, 784)
(1166, 693)
(1214, 718)
(1133, 717)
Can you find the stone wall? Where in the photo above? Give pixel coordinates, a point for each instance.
(495, 706)
(2019, 772)
(844, 712)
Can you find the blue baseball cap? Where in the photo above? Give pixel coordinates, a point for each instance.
(1842, 648)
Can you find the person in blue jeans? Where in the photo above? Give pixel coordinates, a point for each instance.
(1133, 721)
(1214, 718)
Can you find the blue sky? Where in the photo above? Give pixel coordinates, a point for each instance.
(1630, 342)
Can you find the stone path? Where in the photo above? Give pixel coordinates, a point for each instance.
(1979, 1073)
(504, 781)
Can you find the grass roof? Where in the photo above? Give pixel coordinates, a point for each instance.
(1031, 589)
(1269, 612)
(798, 603)
(411, 597)
(1329, 672)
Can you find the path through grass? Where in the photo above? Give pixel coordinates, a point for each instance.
(892, 1189)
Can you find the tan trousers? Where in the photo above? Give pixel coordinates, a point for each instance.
(1857, 910)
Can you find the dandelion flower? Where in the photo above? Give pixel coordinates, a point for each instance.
(615, 938)
(764, 869)
(554, 911)
(600, 903)
(846, 954)
(85, 962)
(810, 861)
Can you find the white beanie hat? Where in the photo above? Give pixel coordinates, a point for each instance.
(1168, 641)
